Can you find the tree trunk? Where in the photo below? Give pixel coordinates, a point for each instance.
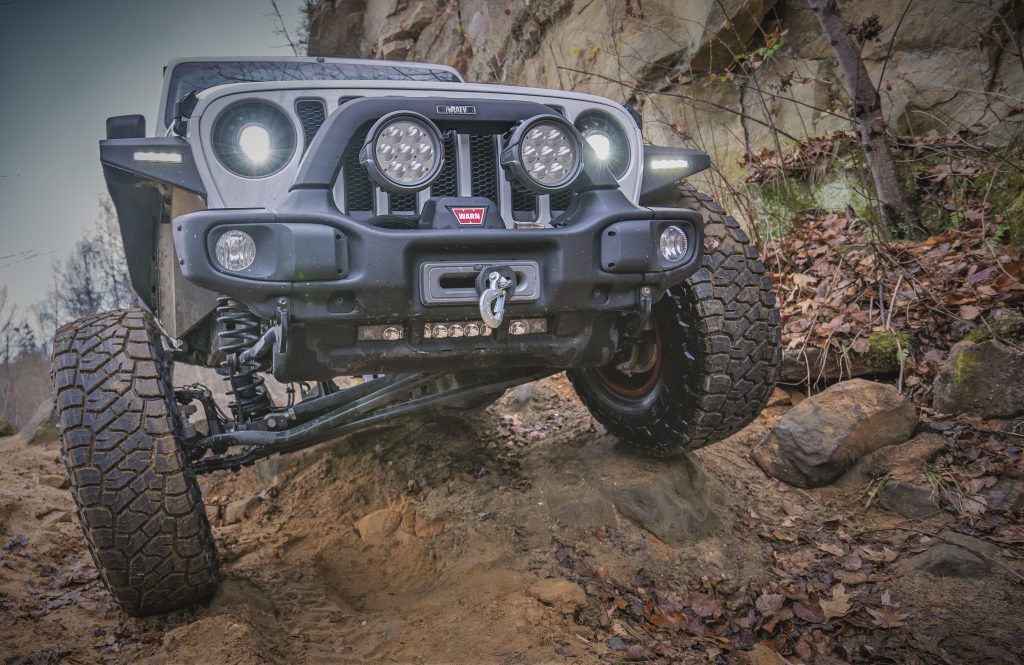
(867, 108)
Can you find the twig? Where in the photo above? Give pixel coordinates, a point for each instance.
(945, 540)
(885, 63)
(697, 100)
(892, 302)
(283, 30)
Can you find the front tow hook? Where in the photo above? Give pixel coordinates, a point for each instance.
(494, 283)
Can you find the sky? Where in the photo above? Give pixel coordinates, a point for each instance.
(67, 65)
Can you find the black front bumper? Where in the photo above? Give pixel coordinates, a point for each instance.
(330, 274)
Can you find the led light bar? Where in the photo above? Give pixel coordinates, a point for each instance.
(669, 164)
(158, 157)
(391, 332)
(527, 326)
(455, 329)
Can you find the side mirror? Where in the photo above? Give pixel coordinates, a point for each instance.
(126, 127)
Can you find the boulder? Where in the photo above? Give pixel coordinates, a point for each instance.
(907, 459)
(982, 378)
(236, 511)
(820, 438)
(670, 500)
(377, 527)
(910, 500)
(946, 560)
(57, 480)
(558, 593)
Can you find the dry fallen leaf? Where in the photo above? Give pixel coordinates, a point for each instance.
(834, 550)
(850, 577)
(769, 603)
(887, 617)
(839, 605)
(969, 312)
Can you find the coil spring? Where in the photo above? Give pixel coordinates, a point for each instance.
(238, 330)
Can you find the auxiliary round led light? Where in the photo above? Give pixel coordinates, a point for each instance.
(253, 138)
(544, 154)
(235, 250)
(673, 244)
(403, 152)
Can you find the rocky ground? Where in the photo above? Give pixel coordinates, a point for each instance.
(526, 535)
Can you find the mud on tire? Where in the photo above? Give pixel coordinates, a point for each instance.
(717, 339)
(137, 499)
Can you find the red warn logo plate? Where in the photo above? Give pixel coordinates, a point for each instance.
(469, 216)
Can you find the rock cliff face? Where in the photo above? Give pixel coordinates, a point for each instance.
(953, 65)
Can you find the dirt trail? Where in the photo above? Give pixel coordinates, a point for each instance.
(521, 535)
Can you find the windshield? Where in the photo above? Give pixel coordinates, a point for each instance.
(188, 76)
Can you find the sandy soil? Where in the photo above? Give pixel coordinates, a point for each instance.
(517, 536)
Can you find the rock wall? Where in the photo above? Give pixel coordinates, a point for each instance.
(953, 65)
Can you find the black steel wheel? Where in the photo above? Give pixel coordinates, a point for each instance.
(137, 499)
(708, 360)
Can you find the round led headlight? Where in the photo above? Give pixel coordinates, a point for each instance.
(673, 244)
(544, 154)
(605, 136)
(253, 138)
(235, 250)
(403, 152)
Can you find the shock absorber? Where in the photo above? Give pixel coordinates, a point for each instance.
(238, 330)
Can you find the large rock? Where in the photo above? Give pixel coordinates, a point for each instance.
(911, 500)
(672, 499)
(985, 379)
(946, 560)
(657, 53)
(817, 440)
(558, 593)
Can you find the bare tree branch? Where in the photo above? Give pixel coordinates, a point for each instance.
(680, 95)
(283, 29)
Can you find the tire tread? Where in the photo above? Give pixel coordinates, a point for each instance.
(137, 499)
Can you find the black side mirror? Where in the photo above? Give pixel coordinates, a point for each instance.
(183, 111)
(126, 127)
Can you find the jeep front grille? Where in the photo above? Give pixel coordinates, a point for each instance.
(470, 169)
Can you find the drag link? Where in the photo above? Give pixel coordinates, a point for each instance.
(346, 421)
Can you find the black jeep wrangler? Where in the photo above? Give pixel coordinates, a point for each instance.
(316, 218)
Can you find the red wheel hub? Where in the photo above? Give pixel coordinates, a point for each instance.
(636, 384)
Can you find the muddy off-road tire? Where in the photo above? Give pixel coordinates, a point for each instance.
(712, 356)
(137, 499)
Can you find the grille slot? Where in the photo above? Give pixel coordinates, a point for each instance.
(523, 201)
(561, 200)
(447, 183)
(483, 161)
(312, 113)
(358, 188)
(404, 202)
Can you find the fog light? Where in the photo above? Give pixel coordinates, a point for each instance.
(235, 250)
(673, 244)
